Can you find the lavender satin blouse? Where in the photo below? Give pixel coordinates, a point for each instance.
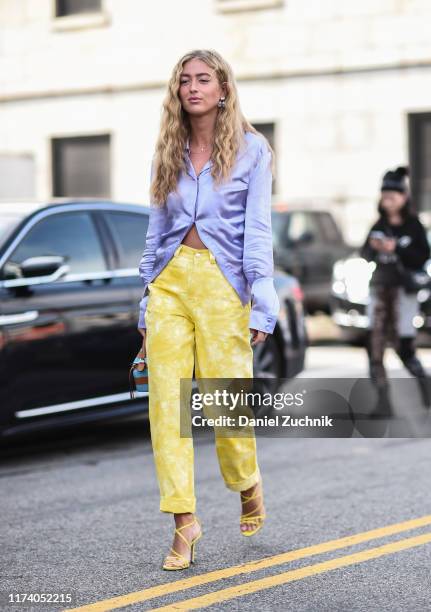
(234, 223)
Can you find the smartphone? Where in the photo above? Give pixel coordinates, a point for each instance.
(377, 235)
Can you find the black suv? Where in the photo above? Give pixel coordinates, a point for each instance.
(69, 306)
(307, 243)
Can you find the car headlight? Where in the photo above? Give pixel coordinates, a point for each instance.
(423, 295)
(338, 271)
(358, 272)
(338, 287)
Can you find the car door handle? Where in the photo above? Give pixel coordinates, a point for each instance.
(21, 317)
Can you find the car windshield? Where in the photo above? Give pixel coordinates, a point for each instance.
(8, 222)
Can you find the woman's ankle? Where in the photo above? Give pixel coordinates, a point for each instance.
(183, 518)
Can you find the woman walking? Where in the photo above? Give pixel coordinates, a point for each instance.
(397, 243)
(208, 252)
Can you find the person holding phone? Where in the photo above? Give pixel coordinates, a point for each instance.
(396, 241)
(207, 269)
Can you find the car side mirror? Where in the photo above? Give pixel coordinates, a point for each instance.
(44, 265)
(52, 267)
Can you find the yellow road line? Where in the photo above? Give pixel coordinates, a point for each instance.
(252, 566)
(289, 576)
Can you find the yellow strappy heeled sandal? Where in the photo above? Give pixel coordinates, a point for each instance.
(173, 562)
(257, 519)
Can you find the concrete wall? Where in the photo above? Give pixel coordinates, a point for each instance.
(338, 78)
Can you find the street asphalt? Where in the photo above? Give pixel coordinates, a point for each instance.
(81, 515)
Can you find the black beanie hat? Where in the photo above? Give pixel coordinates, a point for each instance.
(396, 180)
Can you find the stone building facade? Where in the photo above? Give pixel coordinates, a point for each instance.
(342, 88)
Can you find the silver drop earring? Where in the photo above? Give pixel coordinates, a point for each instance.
(221, 103)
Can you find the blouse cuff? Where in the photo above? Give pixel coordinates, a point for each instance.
(265, 305)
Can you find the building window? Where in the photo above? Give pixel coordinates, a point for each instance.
(81, 166)
(268, 130)
(77, 7)
(420, 160)
(228, 6)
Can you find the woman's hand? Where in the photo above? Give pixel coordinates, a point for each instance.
(258, 336)
(387, 245)
(376, 244)
(143, 352)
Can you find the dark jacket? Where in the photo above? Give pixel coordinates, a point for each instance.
(412, 250)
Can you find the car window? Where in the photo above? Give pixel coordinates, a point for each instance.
(129, 231)
(278, 224)
(299, 223)
(330, 230)
(69, 234)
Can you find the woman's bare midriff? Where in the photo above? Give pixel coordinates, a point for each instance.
(192, 239)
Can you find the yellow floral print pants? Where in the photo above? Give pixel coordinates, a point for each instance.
(195, 319)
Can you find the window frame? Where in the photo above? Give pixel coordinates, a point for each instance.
(262, 127)
(415, 122)
(79, 21)
(57, 3)
(56, 140)
(231, 6)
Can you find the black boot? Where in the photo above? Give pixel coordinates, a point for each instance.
(424, 387)
(383, 407)
(414, 366)
(376, 369)
(379, 379)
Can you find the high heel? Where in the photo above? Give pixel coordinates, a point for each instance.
(172, 562)
(257, 519)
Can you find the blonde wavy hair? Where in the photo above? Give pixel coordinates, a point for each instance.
(230, 128)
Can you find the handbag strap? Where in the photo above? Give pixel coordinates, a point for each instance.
(132, 384)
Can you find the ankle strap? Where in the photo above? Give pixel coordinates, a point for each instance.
(195, 520)
(247, 498)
